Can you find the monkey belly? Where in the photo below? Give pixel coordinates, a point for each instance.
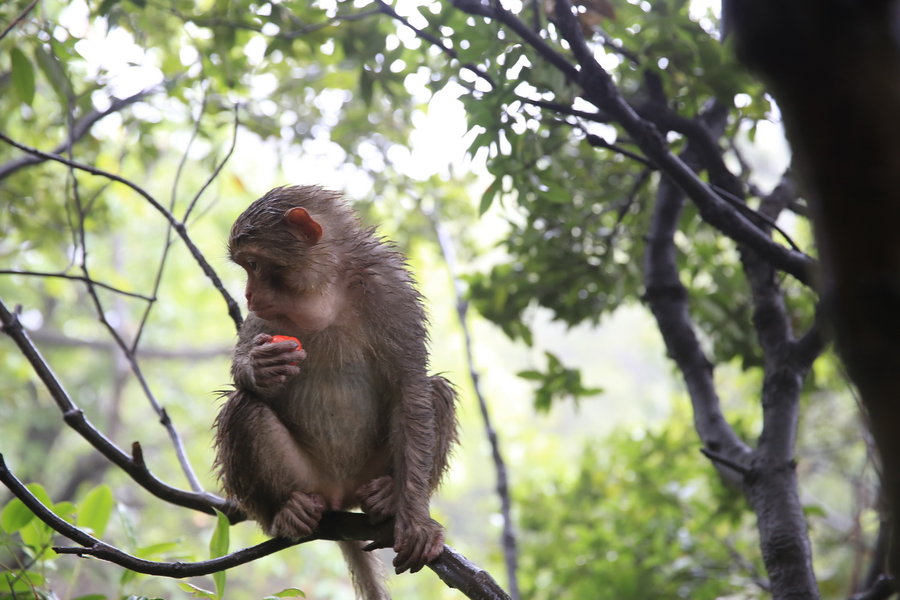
(337, 420)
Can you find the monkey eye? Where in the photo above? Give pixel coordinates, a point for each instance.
(253, 265)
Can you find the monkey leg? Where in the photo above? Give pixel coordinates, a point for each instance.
(376, 497)
(265, 470)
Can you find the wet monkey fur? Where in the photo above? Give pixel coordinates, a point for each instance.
(350, 420)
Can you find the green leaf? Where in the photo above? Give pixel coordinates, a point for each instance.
(197, 592)
(287, 593)
(96, 509)
(218, 546)
(91, 597)
(156, 550)
(488, 198)
(531, 375)
(55, 72)
(15, 516)
(22, 76)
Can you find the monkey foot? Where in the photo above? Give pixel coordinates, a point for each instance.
(298, 517)
(376, 498)
(417, 544)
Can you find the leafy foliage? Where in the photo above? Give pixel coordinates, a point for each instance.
(638, 517)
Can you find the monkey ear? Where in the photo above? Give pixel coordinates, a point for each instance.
(302, 225)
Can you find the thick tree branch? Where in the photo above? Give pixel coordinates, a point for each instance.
(600, 90)
(451, 567)
(847, 152)
(667, 298)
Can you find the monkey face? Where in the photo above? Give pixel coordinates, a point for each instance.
(280, 293)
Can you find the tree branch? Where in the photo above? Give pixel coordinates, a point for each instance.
(510, 552)
(78, 131)
(451, 567)
(667, 298)
(600, 90)
(75, 418)
(18, 19)
(81, 278)
(234, 310)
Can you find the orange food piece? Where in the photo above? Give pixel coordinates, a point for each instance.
(286, 338)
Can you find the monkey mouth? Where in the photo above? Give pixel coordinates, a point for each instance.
(263, 312)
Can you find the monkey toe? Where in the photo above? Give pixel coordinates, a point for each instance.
(299, 516)
(375, 498)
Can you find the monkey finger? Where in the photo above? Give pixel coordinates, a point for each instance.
(276, 349)
(262, 339)
(420, 557)
(409, 552)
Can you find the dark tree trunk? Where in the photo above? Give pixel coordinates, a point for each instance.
(834, 68)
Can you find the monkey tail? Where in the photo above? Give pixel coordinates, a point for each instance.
(366, 570)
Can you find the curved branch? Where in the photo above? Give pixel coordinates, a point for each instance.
(79, 130)
(493, 10)
(234, 310)
(74, 417)
(667, 298)
(82, 278)
(599, 89)
(454, 569)
(388, 10)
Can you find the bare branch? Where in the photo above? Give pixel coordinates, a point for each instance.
(493, 10)
(21, 17)
(81, 278)
(450, 566)
(234, 310)
(510, 552)
(75, 418)
(667, 298)
(387, 9)
(78, 131)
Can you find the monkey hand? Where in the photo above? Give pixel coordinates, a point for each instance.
(416, 543)
(272, 364)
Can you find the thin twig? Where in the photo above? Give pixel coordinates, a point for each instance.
(510, 552)
(722, 460)
(78, 130)
(436, 42)
(234, 310)
(18, 19)
(81, 278)
(75, 418)
(218, 168)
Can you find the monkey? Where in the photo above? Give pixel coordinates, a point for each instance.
(351, 419)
